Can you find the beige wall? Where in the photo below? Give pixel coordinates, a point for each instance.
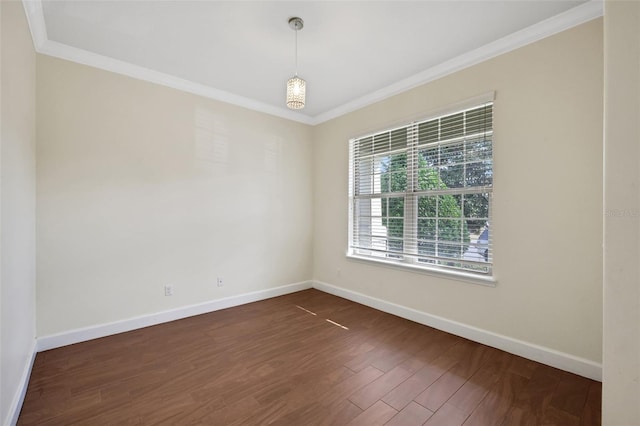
(141, 186)
(17, 200)
(547, 217)
(621, 353)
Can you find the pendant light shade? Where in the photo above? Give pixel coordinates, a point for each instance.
(296, 87)
(296, 91)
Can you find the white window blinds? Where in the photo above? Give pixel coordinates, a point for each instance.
(421, 193)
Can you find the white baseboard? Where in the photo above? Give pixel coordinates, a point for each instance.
(548, 356)
(557, 359)
(561, 360)
(18, 398)
(102, 330)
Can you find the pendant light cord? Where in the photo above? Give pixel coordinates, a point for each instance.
(296, 47)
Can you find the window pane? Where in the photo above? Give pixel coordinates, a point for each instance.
(429, 156)
(450, 250)
(479, 120)
(378, 229)
(449, 230)
(427, 248)
(397, 162)
(395, 227)
(363, 208)
(478, 249)
(452, 176)
(427, 206)
(452, 154)
(364, 146)
(479, 149)
(428, 132)
(476, 205)
(379, 243)
(381, 143)
(395, 245)
(450, 206)
(426, 229)
(364, 177)
(398, 139)
(475, 228)
(479, 174)
(396, 207)
(398, 181)
(384, 206)
(394, 173)
(428, 178)
(452, 126)
(382, 182)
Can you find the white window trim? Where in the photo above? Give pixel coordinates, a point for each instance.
(486, 280)
(409, 263)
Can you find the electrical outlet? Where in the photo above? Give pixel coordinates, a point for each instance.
(168, 290)
(220, 282)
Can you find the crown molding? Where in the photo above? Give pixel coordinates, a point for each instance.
(35, 19)
(37, 26)
(63, 51)
(571, 18)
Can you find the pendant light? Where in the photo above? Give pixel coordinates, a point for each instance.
(296, 87)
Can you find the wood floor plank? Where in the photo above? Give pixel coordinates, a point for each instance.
(404, 393)
(467, 398)
(532, 402)
(494, 407)
(270, 362)
(436, 359)
(413, 414)
(469, 358)
(338, 414)
(365, 359)
(219, 413)
(351, 385)
(571, 394)
(522, 366)
(315, 413)
(370, 394)
(447, 415)
(556, 417)
(378, 414)
(439, 392)
(592, 414)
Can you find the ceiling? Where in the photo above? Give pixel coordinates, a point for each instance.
(351, 53)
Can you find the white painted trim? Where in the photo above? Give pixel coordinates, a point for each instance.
(63, 51)
(18, 398)
(467, 277)
(35, 19)
(563, 21)
(102, 330)
(544, 355)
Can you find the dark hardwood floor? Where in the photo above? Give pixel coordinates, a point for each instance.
(307, 358)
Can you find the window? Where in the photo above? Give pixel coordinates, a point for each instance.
(420, 195)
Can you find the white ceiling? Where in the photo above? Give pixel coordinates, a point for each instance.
(351, 53)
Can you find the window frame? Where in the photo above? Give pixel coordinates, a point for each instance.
(411, 260)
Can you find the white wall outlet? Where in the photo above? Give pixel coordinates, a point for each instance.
(168, 290)
(220, 282)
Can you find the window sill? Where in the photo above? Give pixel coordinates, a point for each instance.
(488, 281)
